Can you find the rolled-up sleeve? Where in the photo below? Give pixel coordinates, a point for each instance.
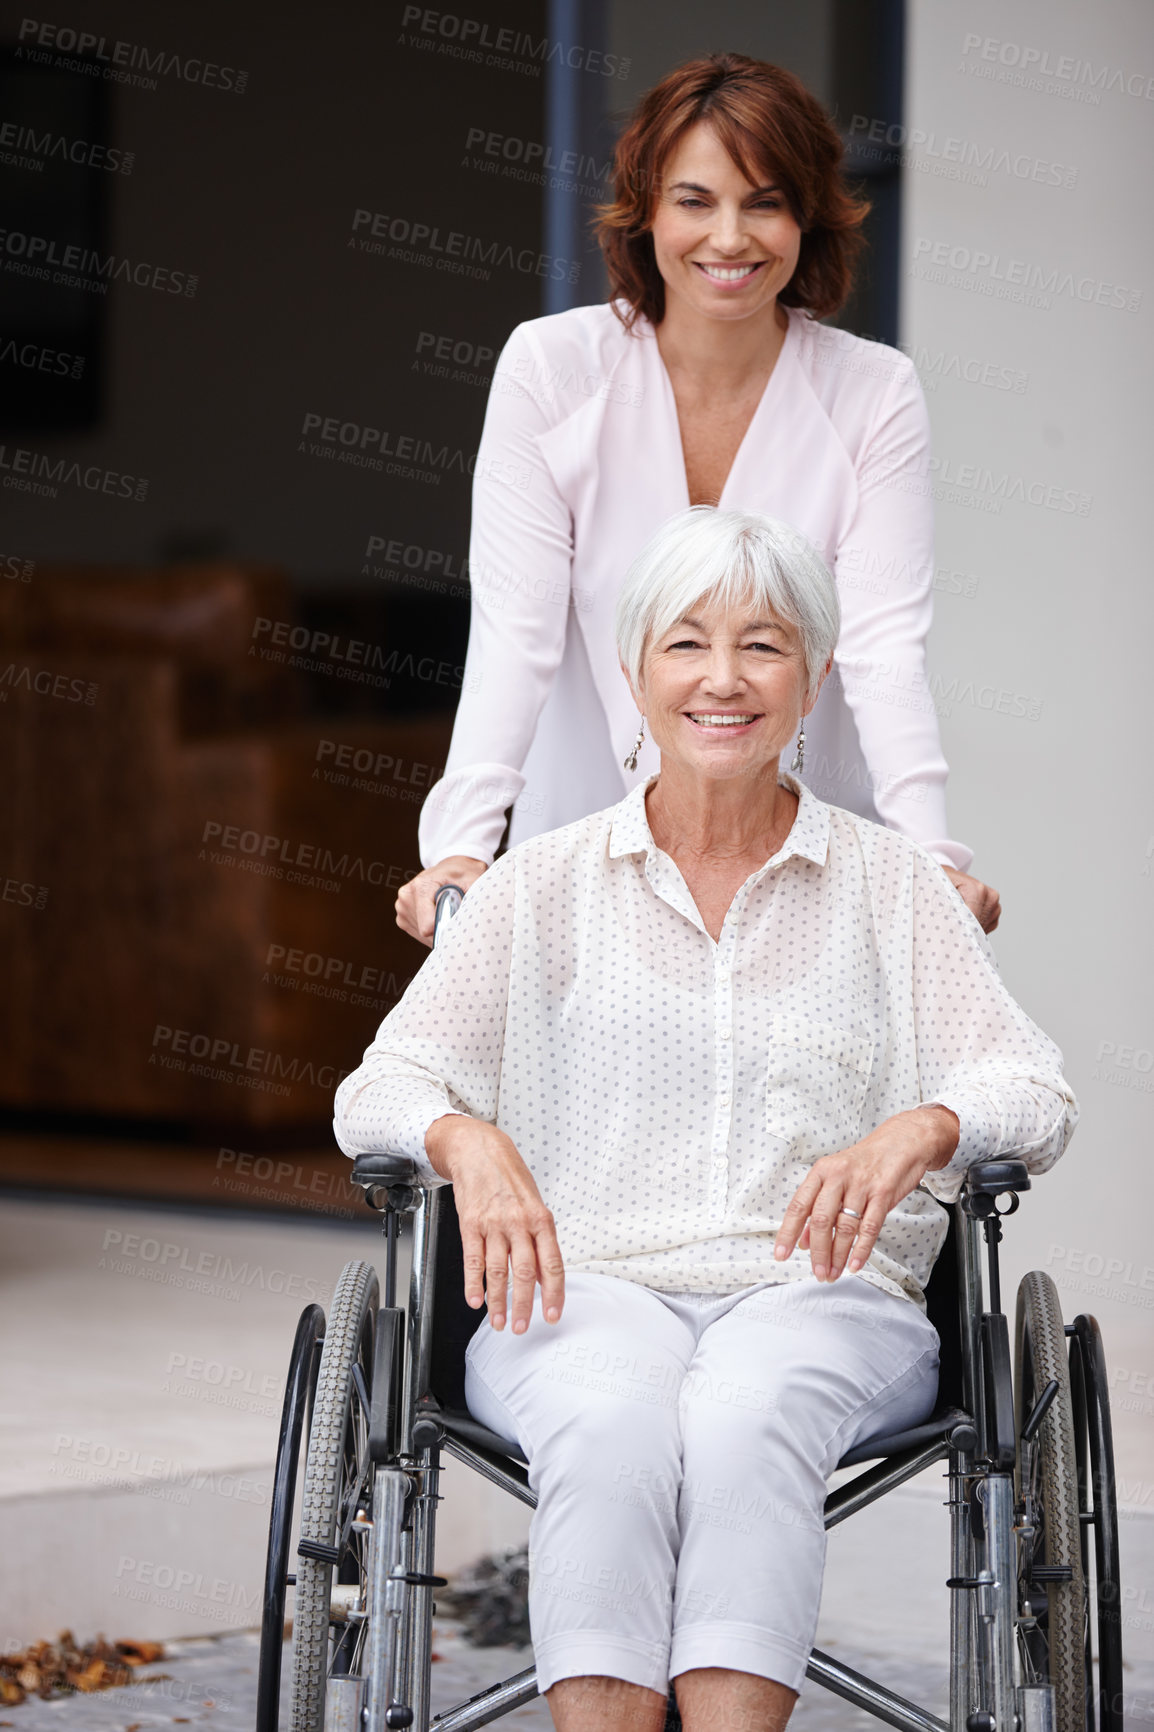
(439, 1050)
(520, 572)
(978, 1053)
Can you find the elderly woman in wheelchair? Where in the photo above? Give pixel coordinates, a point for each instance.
(701, 1070)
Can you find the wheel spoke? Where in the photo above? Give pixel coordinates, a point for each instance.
(347, 1639)
(352, 1494)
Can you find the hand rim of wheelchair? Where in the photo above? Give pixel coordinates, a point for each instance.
(300, 1389)
(1098, 1508)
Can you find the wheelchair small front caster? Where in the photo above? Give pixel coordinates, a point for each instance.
(396, 1714)
(981, 1722)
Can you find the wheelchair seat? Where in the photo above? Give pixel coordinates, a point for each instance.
(940, 1423)
(454, 1324)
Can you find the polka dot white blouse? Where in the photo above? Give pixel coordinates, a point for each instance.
(668, 1093)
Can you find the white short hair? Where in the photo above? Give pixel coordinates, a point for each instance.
(729, 557)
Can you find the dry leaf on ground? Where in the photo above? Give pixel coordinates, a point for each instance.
(66, 1667)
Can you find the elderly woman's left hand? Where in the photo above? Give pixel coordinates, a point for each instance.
(870, 1176)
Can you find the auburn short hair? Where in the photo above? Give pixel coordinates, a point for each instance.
(773, 128)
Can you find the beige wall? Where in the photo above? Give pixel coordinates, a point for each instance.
(1056, 801)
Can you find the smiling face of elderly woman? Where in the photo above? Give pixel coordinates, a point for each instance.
(726, 627)
(722, 690)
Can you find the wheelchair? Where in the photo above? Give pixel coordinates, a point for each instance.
(1035, 1596)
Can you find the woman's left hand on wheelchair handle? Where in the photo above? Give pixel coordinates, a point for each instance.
(870, 1176)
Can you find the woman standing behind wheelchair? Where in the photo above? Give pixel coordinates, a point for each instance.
(704, 380)
(697, 1067)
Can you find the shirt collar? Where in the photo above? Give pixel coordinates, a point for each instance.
(809, 837)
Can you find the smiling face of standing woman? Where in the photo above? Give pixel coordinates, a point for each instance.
(725, 247)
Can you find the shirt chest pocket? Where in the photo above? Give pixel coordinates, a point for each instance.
(816, 1081)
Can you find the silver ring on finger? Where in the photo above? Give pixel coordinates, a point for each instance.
(852, 1212)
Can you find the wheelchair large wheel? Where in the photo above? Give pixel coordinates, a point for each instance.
(300, 1389)
(1052, 1610)
(328, 1632)
(1097, 1500)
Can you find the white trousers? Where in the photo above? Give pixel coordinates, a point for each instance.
(679, 1446)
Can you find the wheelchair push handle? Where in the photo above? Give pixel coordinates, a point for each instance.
(448, 899)
(388, 1179)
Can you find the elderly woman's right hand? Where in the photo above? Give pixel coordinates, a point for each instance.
(502, 1219)
(417, 902)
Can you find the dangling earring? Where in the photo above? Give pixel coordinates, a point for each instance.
(799, 761)
(631, 760)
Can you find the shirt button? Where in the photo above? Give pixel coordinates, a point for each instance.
(723, 1100)
(726, 1034)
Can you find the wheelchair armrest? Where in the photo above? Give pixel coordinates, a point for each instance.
(389, 1181)
(383, 1169)
(991, 1178)
(984, 1183)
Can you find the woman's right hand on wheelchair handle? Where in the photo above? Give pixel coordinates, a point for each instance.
(502, 1218)
(416, 903)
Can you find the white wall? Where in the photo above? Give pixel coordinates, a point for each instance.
(1058, 805)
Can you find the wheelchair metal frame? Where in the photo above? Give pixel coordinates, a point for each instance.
(984, 1696)
(982, 1443)
(992, 1667)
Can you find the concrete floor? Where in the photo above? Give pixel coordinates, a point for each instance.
(144, 1352)
(212, 1682)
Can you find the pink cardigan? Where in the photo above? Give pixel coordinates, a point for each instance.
(580, 462)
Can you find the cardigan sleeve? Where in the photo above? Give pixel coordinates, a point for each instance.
(520, 566)
(885, 569)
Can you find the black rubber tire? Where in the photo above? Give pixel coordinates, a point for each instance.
(337, 1456)
(1097, 1497)
(1052, 1616)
